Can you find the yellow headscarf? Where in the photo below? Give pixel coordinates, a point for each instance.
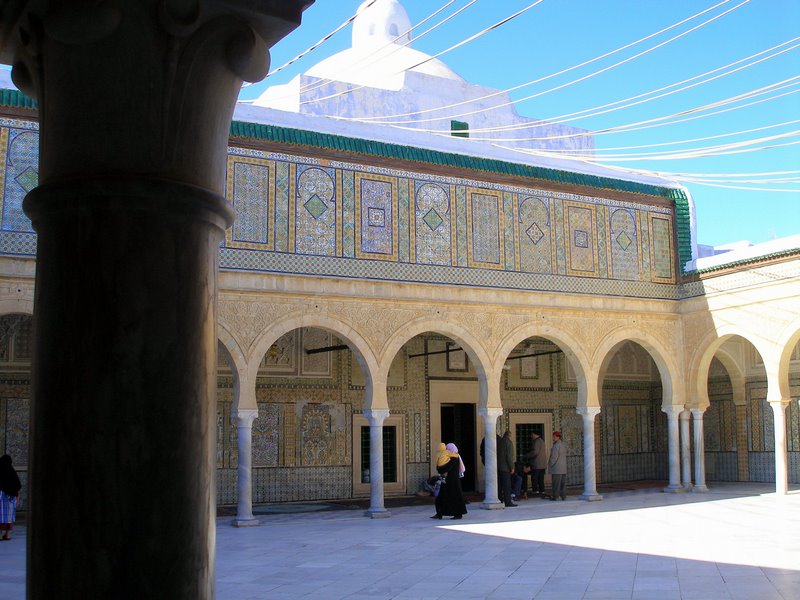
(444, 455)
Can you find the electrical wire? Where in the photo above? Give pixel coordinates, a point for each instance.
(520, 86)
(676, 143)
(453, 47)
(641, 98)
(382, 119)
(378, 53)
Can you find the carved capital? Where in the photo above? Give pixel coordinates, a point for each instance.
(143, 87)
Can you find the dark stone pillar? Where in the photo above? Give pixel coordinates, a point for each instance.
(135, 100)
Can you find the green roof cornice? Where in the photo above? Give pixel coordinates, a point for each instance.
(275, 133)
(16, 99)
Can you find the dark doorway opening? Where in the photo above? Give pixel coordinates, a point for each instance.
(458, 426)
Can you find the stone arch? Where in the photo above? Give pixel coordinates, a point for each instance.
(571, 347)
(469, 343)
(375, 394)
(238, 363)
(666, 363)
(700, 363)
(785, 345)
(735, 373)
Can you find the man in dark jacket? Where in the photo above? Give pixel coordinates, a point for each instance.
(505, 466)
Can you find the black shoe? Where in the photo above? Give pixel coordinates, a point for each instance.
(436, 517)
(456, 517)
(511, 505)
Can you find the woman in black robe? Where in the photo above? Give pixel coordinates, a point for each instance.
(450, 501)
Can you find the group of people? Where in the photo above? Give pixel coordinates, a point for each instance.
(512, 476)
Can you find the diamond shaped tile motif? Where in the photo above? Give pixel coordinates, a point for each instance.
(433, 220)
(315, 206)
(534, 233)
(28, 179)
(624, 240)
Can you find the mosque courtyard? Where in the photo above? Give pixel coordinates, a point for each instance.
(736, 541)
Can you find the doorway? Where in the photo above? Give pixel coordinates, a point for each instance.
(458, 426)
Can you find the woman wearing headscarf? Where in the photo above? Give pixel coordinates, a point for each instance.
(450, 500)
(9, 493)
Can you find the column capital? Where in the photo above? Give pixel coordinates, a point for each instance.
(673, 410)
(588, 411)
(376, 416)
(103, 72)
(244, 416)
(783, 403)
(697, 413)
(488, 413)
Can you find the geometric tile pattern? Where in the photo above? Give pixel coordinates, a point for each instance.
(535, 234)
(355, 220)
(624, 245)
(433, 224)
(376, 217)
(661, 249)
(485, 229)
(316, 215)
(581, 232)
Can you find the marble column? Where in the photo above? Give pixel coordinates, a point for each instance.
(699, 451)
(674, 448)
(686, 450)
(244, 418)
(781, 455)
(135, 100)
(376, 417)
(588, 414)
(490, 416)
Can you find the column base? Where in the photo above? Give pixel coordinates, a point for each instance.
(674, 489)
(377, 513)
(237, 522)
(687, 487)
(700, 489)
(591, 497)
(492, 505)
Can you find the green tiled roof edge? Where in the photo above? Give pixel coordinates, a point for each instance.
(326, 140)
(15, 98)
(683, 225)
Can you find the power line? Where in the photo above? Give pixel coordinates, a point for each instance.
(641, 98)
(453, 47)
(383, 118)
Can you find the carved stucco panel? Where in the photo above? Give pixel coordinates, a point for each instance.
(376, 323)
(247, 320)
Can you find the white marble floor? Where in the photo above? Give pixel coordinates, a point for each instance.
(737, 541)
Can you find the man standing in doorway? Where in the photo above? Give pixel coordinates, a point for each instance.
(537, 457)
(505, 466)
(558, 467)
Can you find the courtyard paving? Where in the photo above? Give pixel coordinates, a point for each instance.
(738, 541)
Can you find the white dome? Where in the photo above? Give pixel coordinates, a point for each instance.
(384, 22)
(379, 57)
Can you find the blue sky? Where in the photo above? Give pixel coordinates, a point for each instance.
(558, 34)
